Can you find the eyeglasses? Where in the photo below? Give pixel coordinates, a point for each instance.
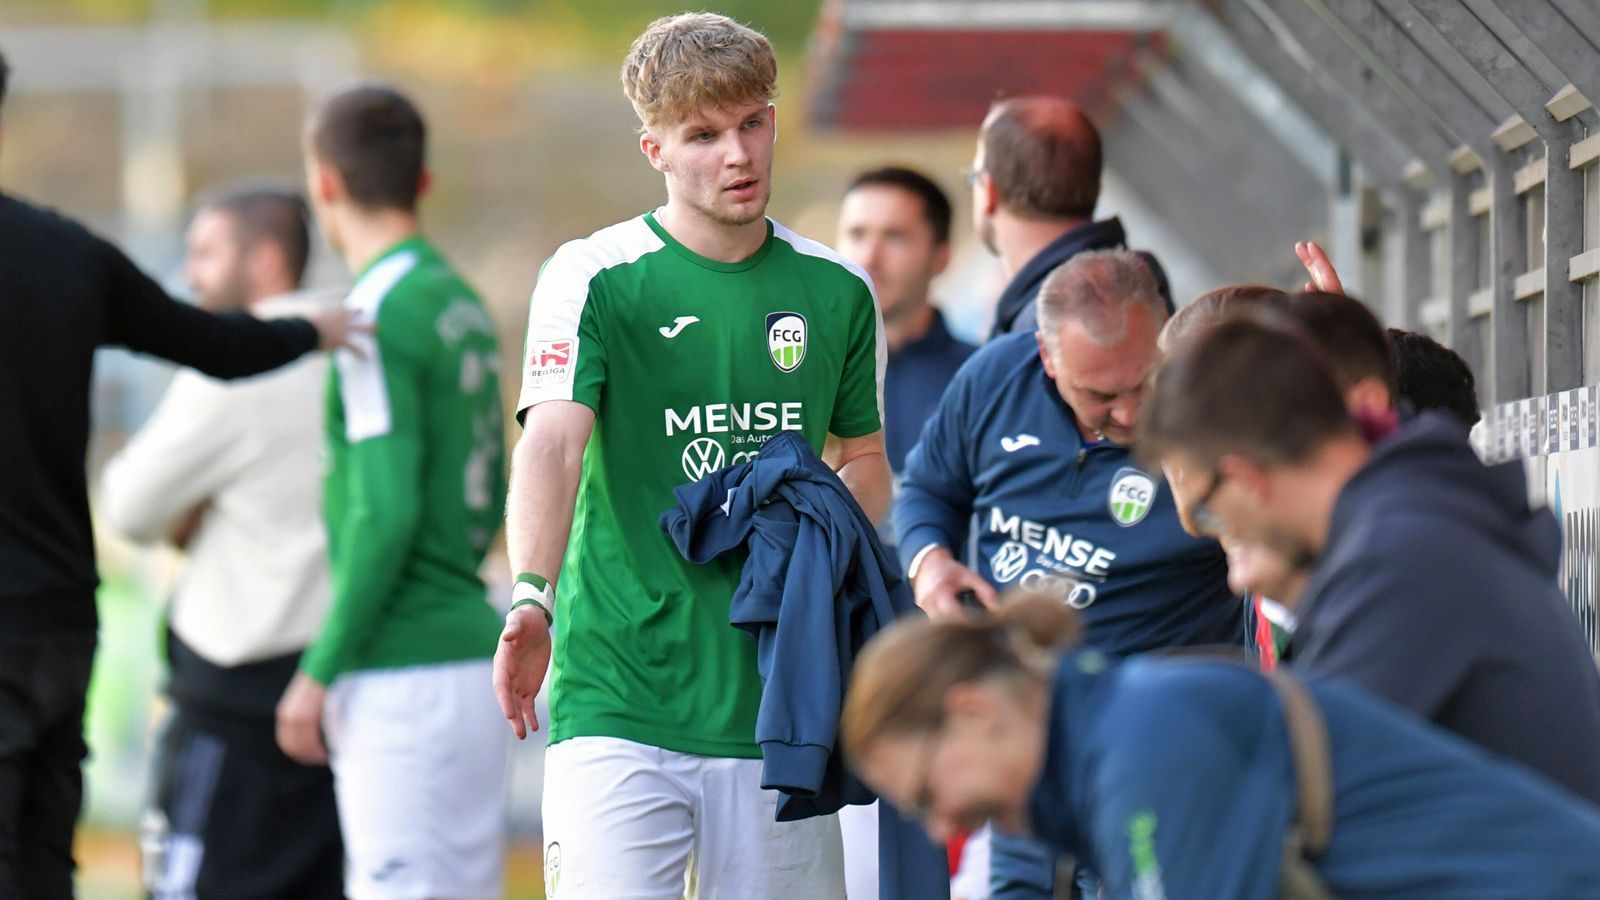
(969, 176)
(922, 799)
(1204, 517)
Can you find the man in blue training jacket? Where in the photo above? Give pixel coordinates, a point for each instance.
(1035, 181)
(895, 223)
(1033, 439)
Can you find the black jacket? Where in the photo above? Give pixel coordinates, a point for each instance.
(63, 293)
(1015, 310)
(1437, 591)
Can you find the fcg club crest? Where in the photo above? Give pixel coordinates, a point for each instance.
(702, 457)
(1132, 494)
(1007, 562)
(552, 869)
(786, 339)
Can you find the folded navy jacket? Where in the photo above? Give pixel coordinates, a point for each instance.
(816, 586)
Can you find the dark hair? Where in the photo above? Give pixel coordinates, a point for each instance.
(1216, 306)
(263, 210)
(1350, 336)
(1432, 376)
(5, 76)
(1246, 386)
(1043, 154)
(374, 138)
(935, 202)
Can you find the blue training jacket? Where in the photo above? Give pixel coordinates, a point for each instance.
(1057, 515)
(815, 586)
(1175, 778)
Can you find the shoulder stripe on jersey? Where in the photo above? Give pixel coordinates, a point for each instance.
(362, 388)
(809, 247)
(562, 292)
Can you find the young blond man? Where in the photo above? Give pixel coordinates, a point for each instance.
(659, 350)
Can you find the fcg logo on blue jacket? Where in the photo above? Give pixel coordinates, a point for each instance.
(1132, 494)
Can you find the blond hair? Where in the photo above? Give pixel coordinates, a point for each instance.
(692, 61)
(902, 676)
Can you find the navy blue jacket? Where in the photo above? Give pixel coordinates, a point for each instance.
(1437, 590)
(1174, 777)
(815, 586)
(1057, 515)
(1016, 310)
(913, 382)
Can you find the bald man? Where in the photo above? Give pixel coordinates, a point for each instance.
(1035, 182)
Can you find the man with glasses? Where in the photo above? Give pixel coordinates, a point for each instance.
(1035, 181)
(1033, 439)
(1433, 584)
(1361, 359)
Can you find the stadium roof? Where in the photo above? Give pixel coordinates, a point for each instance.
(930, 64)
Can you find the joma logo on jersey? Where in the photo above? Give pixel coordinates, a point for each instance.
(786, 339)
(1132, 494)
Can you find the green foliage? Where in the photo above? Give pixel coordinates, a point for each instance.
(603, 23)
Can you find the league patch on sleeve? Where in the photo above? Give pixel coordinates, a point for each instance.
(550, 363)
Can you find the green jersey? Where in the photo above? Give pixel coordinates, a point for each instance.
(416, 485)
(689, 365)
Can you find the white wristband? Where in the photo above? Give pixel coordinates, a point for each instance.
(527, 593)
(916, 561)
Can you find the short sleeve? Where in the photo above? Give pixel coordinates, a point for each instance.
(564, 355)
(858, 405)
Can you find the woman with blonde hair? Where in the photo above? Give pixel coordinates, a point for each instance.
(1178, 776)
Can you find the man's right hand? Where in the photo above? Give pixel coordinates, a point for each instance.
(519, 666)
(940, 578)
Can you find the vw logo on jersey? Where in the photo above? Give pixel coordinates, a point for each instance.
(786, 339)
(1007, 562)
(702, 457)
(1132, 494)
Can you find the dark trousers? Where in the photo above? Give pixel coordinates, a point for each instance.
(234, 818)
(43, 683)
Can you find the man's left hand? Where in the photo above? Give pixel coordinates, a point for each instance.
(300, 721)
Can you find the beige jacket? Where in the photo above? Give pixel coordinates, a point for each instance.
(256, 581)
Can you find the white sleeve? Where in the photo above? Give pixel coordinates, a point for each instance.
(182, 455)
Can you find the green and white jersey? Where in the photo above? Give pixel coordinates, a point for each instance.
(416, 485)
(689, 365)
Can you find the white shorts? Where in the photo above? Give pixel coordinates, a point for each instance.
(627, 821)
(419, 759)
(858, 826)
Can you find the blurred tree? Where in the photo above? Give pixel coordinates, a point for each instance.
(595, 24)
